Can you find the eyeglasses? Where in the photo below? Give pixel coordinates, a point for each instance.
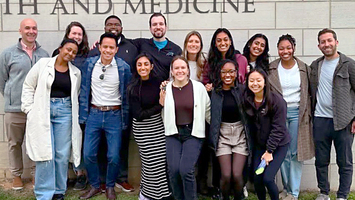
(228, 72)
(102, 76)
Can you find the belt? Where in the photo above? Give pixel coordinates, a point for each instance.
(106, 108)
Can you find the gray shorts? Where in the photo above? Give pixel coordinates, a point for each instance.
(232, 139)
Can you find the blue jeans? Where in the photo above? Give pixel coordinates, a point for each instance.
(51, 176)
(291, 168)
(108, 122)
(182, 154)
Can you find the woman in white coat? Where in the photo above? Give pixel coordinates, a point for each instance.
(50, 100)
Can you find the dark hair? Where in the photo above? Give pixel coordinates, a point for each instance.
(83, 47)
(200, 58)
(327, 30)
(109, 35)
(67, 40)
(267, 93)
(112, 16)
(215, 56)
(289, 38)
(136, 79)
(262, 60)
(219, 82)
(156, 15)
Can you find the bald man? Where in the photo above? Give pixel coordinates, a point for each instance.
(15, 62)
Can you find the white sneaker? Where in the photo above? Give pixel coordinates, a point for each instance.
(322, 197)
(341, 199)
(245, 191)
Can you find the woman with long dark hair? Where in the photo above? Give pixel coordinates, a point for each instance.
(222, 47)
(256, 50)
(186, 109)
(50, 100)
(289, 77)
(148, 129)
(228, 133)
(266, 114)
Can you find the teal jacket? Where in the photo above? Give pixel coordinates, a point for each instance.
(14, 66)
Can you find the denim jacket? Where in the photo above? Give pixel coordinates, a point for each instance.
(124, 74)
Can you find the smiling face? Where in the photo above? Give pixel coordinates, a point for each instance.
(158, 27)
(107, 49)
(68, 51)
(193, 45)
(257, 47)
(144, 67)
(76, 33)
(228, 75)
(114, 26)
(180, 70)
(285, 50)
(28, 31)
(256, 83)
(328, 45)
(223, 42)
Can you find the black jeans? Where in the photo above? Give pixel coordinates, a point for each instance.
(182, 152)
(267, 179)
(324, 134)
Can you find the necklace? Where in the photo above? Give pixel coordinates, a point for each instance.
(180, 87)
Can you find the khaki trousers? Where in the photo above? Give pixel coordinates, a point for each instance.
(15, 124)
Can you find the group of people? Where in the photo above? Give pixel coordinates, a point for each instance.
(183, 107)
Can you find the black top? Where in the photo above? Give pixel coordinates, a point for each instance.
(161, 58)
(230, 111)
(144, 99)
(61, 86)
(126, 50)
(184, 104)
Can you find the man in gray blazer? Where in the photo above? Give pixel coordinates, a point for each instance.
(15, 62)
(332, 84)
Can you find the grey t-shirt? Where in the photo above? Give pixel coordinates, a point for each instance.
(324, 93)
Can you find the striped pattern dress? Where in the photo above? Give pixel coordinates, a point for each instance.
(149, 135)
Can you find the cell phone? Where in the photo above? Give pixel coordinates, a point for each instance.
(164, 88)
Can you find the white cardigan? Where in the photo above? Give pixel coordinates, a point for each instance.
(35, 99)
(201, 110)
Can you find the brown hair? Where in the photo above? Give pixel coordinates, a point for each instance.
(327, 30)
(200, 58)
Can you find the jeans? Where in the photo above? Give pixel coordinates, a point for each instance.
(182, 154)
(51, 175)
(324, 134)
(108, 122)
(291, 168)
(267, 179)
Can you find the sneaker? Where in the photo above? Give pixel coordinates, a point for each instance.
(125, 187)
(341, 199)
(17, 183)
(283, 194)
(103, 187)
(81, 183)
(322, 197)
(58, 197)
(245, 192)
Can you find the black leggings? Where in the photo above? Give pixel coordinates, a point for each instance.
(268, 177)
(232, 169)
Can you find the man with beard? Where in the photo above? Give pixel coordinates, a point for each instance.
(15, 63)
(159, 47)
(332, 82)
(128, 52)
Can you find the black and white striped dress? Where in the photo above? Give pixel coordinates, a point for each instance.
(149, 135)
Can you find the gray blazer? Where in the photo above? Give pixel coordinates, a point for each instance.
(343, 91)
